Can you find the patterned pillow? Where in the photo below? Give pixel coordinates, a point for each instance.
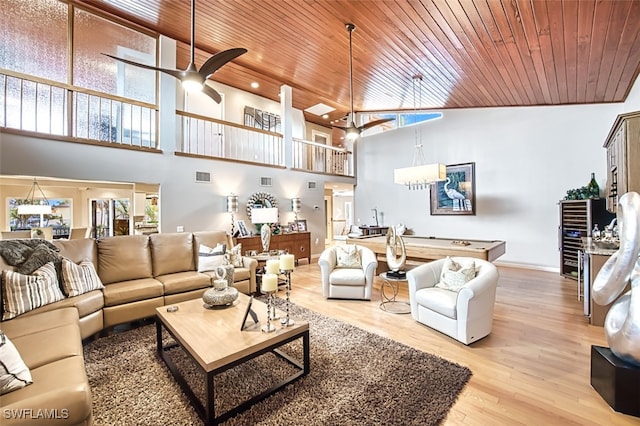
(348, 256)
(14, 374)
(455, 275)
(234, 256)
(79, 279)
(23, 293)
(210, 258)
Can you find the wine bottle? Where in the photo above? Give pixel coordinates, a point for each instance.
(592, 186)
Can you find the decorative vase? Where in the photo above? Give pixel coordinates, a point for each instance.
(221, 294)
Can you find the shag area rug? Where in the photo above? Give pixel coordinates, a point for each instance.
(356, 378)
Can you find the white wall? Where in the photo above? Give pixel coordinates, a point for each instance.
(526, 159)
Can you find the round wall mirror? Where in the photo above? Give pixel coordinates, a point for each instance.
(259, 200)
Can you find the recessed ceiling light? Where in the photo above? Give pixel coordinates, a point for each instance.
(325, 116)
(255, 85)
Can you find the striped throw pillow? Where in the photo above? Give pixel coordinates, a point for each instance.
(23, 293)
(79, 279)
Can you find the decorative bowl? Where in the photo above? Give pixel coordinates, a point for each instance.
(220, 297)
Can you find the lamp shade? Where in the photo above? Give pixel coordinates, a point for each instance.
(264, 215)
(232, 203)
(34, 209)
(420, 175)
(296, 204)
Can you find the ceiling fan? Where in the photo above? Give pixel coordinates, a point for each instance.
(353, 131)
(193, 79)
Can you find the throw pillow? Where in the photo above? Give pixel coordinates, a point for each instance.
(348, 256)
(234, 256)
(14, 374)
(79, 279)
(40, 256)
(455, 275)
(23, 293)
(210, 258)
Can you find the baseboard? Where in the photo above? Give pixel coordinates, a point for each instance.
(527, 266)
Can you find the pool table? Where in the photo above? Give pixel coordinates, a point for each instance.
(425, 249)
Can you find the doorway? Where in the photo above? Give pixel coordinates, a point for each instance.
(110, 217)
(339, 211)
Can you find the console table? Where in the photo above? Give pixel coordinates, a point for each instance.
(295, 243)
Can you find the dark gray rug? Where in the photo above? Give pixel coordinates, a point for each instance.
(356, 378)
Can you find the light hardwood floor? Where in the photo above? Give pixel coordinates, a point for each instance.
(533, 369)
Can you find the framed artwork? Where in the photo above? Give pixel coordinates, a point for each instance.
(242, 228)
(293, 227)
(302, 225)
(457, 194)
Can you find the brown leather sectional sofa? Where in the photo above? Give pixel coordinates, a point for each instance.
(139, 273)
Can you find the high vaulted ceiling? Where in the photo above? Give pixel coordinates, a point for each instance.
(471, 53)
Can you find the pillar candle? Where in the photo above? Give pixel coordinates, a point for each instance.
(269, 282)
(273, 266)
(287, 262)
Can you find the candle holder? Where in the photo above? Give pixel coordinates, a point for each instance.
(286, 321)
(268, 327)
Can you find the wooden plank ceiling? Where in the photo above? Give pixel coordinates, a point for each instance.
(472, 53)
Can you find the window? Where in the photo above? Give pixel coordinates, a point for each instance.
(59, 219)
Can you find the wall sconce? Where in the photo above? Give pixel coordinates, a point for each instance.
(296, 206)
(232, 207)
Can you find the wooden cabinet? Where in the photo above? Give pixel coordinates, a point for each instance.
(623, 156)
(295, 243)
(577, 218)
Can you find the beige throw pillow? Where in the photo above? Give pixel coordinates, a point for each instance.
(348, 256)
(234, 256)
(455, 275)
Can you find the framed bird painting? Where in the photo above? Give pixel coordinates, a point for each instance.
(456, 195)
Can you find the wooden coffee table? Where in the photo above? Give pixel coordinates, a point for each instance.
(214, 341)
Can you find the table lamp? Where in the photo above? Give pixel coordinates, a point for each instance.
(264, 217)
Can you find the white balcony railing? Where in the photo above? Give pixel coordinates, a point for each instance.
(63, 112)
(68, 112)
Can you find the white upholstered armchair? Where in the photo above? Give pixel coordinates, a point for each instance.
(350, 281)
(467, 314)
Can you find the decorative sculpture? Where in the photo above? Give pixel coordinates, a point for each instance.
(394, 261)
(622, 323)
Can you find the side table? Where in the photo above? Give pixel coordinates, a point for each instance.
(388, 302)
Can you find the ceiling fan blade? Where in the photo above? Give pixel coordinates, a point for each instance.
(219, 59)
(212, 93)
(341, 127)
(175, 73)
(375, 123)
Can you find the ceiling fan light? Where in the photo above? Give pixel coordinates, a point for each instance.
(352, 133)
(192, 85)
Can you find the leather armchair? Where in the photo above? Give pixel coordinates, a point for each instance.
(347, 283)
(466, 315)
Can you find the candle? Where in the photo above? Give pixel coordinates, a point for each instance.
(269, 282)
(287, 262)
(273, 266)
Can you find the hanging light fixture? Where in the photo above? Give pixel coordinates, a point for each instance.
(31, 205)
(419, 175)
